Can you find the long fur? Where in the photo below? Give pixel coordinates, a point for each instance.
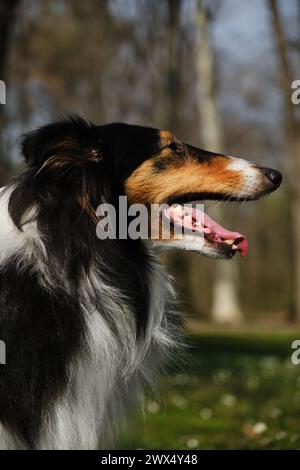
(87, 323)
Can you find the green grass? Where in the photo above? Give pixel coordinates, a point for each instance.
(235, 391)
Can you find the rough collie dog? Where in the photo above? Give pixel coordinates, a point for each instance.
(88, 322)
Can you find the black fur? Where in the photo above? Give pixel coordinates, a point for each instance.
(42, 332)
(72, 166)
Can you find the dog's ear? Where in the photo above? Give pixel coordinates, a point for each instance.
(64, 157)
(72, 140)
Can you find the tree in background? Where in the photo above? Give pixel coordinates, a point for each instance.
(292, 133)
(135, 61)
(225, 302)
(7, 17)
(177, 263)
(173, 91)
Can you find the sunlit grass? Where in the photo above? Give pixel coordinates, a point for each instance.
(221, 400)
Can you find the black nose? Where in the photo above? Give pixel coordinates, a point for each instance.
(273, 176)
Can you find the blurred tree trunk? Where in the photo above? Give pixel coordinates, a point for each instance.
(176, 262)
(173, 71)
(7, 16)
(108, 33)
(292, 129)
(225, 303)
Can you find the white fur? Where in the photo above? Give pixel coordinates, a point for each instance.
(13, 240)
(189, 243)
(251, 175)
(105, 380)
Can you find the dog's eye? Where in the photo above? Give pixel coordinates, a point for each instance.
(176, 147)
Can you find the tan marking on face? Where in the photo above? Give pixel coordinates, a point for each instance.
(148, 186)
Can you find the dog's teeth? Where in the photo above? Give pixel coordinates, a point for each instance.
(229, 242)
(206, 230)
(178, 209)
(234, 247)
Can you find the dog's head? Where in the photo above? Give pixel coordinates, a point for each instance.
(81, 165)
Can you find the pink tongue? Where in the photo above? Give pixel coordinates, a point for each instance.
(213, 230)
(221, 233)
